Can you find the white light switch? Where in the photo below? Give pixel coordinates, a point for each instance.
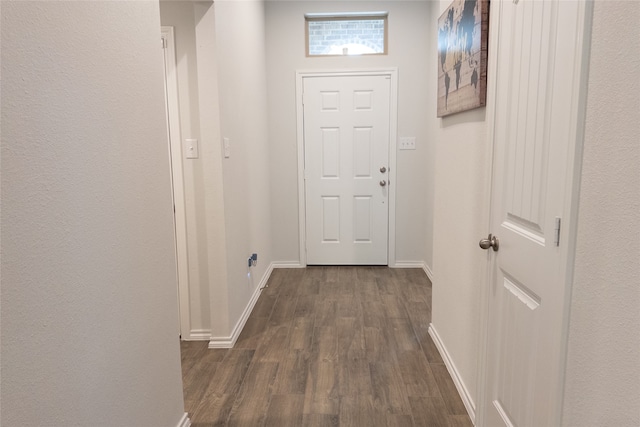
(408, 143)
(191, 147)
(227, 148)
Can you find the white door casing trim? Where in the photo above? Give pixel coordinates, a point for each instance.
(568, 236)
(175, 153)
(392, 72)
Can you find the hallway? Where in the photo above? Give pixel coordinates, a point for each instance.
(328, 346)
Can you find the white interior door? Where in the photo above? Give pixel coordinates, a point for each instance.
(346, 160)
(535, 128)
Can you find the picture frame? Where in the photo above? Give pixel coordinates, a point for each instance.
(463, 36)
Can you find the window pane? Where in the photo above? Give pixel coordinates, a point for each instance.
(346, 36)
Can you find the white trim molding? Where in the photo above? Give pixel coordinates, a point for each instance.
(177, 179)
(184, 421)
(230, 341)
(199, 335)
(455, 375)
(392, 72)
(415, 264)
(288, 264)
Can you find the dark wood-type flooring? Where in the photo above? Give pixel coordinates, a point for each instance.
(328, 346)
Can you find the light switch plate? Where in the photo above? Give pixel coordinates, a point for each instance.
(227, 147)
(191, 148)
(408, 143)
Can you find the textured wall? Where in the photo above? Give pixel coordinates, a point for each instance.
(603, 368)
(89, 313)
(241, 60)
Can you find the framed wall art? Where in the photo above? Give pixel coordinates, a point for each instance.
(463, 33)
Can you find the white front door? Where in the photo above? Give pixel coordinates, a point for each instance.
(535, 128)
(346, 160)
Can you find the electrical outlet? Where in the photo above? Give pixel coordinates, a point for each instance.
(252, 260)
(408, 143)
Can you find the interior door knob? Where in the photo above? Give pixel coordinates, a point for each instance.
(383, 169)
(383, 183)
(490, 242)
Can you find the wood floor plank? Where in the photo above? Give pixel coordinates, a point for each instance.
(325, 344)
(402, 332)
(429, 412)
(252, 332)
(448, 390)
(350, 335)
(320, 420)
(354, 375)
(429, 348)
(252, 401)
(292, 373)
(228, 380)
(301, 334)
(328, 346)
(274, 344)
(285, 411)
(388, 389)
(325, 312)
(399, 420)
(214, 410)
(358, 411)
(416, 374)
(373, 313)
(304, 306)
(459, 421)
(393, 307)
(321, 394)
(283, 310)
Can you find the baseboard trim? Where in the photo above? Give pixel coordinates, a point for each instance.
(407, 264)
(288, 264)
(428, 271)
(184, 421)
(229, 342)
(415, 264)
(199, 335)
(455, 375)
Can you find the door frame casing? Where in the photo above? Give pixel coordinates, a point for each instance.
(177, 180)
(577, 116)
(392, 73)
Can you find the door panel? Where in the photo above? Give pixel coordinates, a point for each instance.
(534, 129)
(346, 143)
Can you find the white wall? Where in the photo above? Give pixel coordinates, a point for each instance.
(89, 313)
(461, 198)
(240, 55)
(409, 36)
(603, 368)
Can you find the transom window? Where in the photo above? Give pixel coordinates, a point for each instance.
(346, 33)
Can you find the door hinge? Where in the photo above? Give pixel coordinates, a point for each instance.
(164, 43)
(556, 231)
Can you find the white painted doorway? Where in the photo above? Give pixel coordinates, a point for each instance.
(538, 77)
(347, 169)
(177, 178)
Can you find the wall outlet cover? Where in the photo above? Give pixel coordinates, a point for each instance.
(407, 143)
